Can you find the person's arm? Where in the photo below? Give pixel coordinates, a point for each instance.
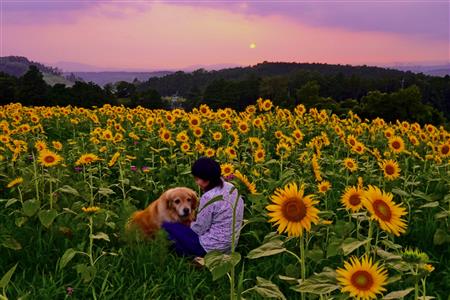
(204, 218)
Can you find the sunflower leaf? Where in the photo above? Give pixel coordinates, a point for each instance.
(7, 277)
(267, 289)
(350, 244)
(398, 294)
(319, 284)
(214, 199)
(270, 248)
(220, 264)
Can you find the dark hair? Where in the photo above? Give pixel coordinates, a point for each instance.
(208, 169)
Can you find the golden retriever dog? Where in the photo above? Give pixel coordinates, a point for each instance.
(174, 205)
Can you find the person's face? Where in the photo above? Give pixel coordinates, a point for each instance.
(201, 183)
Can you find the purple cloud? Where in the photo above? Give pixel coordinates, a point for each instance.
(425, 19)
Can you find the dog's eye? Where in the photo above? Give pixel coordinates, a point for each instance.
(189, 199)
(177, 201)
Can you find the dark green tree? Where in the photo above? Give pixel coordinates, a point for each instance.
(32, 89)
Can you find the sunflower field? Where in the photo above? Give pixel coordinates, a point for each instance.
(335, 207)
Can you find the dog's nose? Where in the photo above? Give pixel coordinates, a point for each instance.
(186, 211)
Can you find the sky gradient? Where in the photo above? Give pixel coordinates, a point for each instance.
(149, 35)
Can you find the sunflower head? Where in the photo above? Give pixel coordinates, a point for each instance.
(352, 198)
(323, 186)
(293, 211)
(390, 169)
(350, 164)
(48, 158)
(444, 149)
(259, 155)
(396, 144)
(415, 256)
(362, 278)
(227, 169)
(384, 210)
(87, 159)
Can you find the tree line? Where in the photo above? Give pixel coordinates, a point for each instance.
(368, 91)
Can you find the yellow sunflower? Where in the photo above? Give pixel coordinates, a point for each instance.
(250, 185)
(243, 127)
(14, 182)
(292, 211)
(118, 137)
(361, 278)
(227, 169)
(107, 135)
(352, 198)
(87, 159)
(90, 209)
(114, 159)
(390, 168)
(57, 145)
(182, 136)
(351, 140)
(258, 122)
(298, 135)
(350, 164)
(209, 152)
(231, 152)
(283, 150)
(359, 148)
(40, 145)
(384, 210)
(165, 135)
(323, 186)
(444, 149)
(197, 131)
(185, 147)
(259, 155)
(194, 121)
(266, 105)
(413, 139)
(49, 158)
(396, 144)
(388, 133)
(217, 136)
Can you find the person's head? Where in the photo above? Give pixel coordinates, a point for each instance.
(207, 173)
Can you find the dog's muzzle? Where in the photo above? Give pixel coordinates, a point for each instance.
(186, 212)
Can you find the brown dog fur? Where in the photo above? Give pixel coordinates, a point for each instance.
(169, 207)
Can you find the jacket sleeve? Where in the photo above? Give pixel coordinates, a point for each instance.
(204, 218)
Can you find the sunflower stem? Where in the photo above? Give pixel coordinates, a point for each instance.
(91, 186)
(424, 288)
(303, 265)
(36, 182)
(369, 236)
(91, 240)
(51, 194)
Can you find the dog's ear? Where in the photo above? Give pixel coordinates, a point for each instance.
(166, 200)
(193, 196)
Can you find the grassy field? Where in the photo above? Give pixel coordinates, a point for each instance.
(71, 177)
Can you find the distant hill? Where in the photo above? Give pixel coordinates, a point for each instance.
(434, 70)
(181, 83)
(102, 78)
(18, 66)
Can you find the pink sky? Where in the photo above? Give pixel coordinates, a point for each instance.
(157, 35)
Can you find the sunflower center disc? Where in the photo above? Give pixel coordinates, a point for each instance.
(294, 210)
(362, 280)
(49, 159)
(355, 199)
(390, 170)
(382, 210)
(396, 145)
(445, 149)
